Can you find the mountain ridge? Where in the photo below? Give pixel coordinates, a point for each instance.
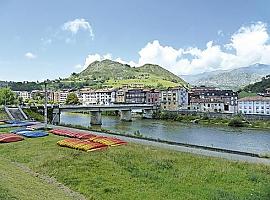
(230, 79)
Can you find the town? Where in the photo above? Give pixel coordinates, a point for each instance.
(199, 99)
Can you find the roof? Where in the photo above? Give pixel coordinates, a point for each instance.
(255, 98)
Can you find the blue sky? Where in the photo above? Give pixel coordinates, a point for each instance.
(51, 39)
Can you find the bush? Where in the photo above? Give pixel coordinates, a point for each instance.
(237, 122)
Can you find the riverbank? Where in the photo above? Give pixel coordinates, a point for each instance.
(236, 121)
(139, 171)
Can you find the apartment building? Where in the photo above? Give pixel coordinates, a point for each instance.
(254, 105)
(207, 105)
(105, 96)
(23, 94)
(228, 97)
(152, 96)
(121, 96)
(173, 98)
(88, 97)
(136, 96)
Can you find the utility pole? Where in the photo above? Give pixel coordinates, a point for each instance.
(6, 94)
(45, 108)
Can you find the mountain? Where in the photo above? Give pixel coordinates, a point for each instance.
(115, 74)
(230, 79)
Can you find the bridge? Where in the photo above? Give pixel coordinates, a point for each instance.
(96, 110)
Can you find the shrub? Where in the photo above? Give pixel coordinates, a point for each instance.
(237, 122)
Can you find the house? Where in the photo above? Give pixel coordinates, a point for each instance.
(173, 98)
(254, 105)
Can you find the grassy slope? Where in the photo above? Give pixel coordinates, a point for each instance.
(3, 114)
(17, 184)
(243, 94)
(141, 172)
(151, 81)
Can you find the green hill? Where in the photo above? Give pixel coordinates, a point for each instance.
(115, 74)
(259, 87)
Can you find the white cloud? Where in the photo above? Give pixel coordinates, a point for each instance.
(78, 24)
(30, 55)
(248, 45)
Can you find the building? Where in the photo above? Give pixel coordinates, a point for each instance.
(228, 97)
(133, 85)
(136, 96)
(152, 96)
(173, 98)
(25, 95)
(121, 96)
(254, 105)
(60, 96)
(88, 97)
(105, 96)
(207, 105)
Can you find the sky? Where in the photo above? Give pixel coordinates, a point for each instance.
(49, 39)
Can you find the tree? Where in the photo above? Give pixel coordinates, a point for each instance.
(7, 96)
(72, 99)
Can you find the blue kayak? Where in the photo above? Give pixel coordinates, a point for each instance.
(32, 134)
(21, 129)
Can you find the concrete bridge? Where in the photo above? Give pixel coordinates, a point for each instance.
(96, 110)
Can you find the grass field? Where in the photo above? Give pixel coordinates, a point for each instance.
(134, 172)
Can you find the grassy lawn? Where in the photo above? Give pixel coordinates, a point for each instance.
(138, 172)
(17, 184)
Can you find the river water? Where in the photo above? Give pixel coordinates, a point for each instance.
(241, 139)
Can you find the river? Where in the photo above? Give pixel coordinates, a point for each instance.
(241, 139)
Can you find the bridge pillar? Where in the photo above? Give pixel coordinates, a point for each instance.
(96, 118)
(148, 114)
(125, 115)
(56, 116)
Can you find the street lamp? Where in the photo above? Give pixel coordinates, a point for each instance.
(6, 94)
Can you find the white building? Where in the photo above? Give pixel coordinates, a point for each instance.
(97, 97)
(88, 97)
(207, 105)
(254, 105)
(24, 95)
(105, 96)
